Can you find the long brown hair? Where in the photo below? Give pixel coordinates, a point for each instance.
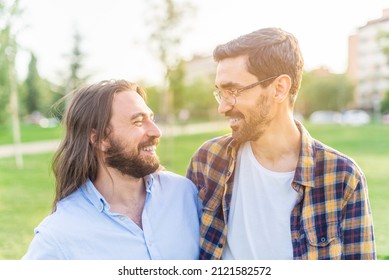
(89, 110)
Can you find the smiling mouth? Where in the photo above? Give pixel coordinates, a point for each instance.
(234, 121)
(150, 148)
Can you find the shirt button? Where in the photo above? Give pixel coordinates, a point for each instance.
(100, 207)
(150, 243)
(323, 239)
(228, 173)
(122, 218)
(220, 245)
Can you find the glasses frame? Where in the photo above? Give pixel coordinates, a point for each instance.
(234, 93)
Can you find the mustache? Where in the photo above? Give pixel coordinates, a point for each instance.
(234, 114)
(152, 141)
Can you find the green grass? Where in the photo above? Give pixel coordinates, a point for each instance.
(26, 195)
(29, 133)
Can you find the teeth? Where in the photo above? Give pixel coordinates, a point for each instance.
(235, 120)
(149, 148)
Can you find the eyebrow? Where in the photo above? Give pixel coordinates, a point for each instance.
(137, 115)
(229, 85)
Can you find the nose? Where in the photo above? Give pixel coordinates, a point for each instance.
(154, 130)
(225, 106)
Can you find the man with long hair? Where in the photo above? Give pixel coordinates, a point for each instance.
(113, 200)
(270, 190)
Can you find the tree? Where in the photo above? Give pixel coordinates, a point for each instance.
(177, 86)
(385, 103)
(167, 30)
(37, 93)
(8, 51)
(194, 97)
(5, 42)
(383, 39)
(33, 86)
(4, 80)
(199, 99)
(166, 23)
(75, 76)
(332, 92)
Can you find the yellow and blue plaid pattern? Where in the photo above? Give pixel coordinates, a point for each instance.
(332, 219)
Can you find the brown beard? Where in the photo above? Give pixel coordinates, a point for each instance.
(253, 125)
(131, 163)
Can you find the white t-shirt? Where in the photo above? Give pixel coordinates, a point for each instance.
(261, 204)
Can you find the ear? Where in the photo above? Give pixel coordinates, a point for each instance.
(102, 146)
(283, 84)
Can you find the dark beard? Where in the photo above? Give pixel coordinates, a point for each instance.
(132, 163)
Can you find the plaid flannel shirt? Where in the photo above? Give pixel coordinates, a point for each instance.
(331, 220)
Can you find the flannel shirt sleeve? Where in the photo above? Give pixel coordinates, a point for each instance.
(357, 225)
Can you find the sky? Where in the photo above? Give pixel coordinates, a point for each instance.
(114, 32)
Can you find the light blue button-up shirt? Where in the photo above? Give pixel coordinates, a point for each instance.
(83, 227)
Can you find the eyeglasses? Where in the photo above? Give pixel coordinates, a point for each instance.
(231, 94)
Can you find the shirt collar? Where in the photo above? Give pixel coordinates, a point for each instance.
(232, 148)
(149, 182)
(96, 198)
(93, 195)
(305, 170)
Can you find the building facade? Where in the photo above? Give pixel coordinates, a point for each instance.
(368, 66)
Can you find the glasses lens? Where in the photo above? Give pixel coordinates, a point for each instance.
(217, 96)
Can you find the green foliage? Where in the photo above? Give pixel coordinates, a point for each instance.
(194, 97)
(177, 85)
(165, 19)
(4, 85)
(199, 100)
(76, 77)
(385, 103)
(154, 98)
(9, 12)
(383, 40)
(38, 94)
(5, 38)
(332, 92)
(33, 86)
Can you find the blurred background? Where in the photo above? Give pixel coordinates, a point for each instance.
(50, 47)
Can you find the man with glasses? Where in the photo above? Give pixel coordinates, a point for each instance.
(269, 190)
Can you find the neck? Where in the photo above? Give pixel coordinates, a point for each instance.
(125, 194)
(278, 148)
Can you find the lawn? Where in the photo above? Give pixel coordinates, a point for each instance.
(29, 133)
(26, 195)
